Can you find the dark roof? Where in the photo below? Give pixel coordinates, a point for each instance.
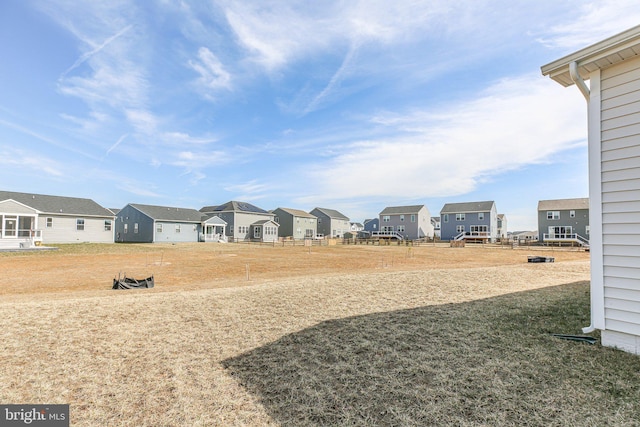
(234, 206)
(167, 213)
(395, 210)
(331, 213)
(563, 204)
(467, 207)
(57, 204)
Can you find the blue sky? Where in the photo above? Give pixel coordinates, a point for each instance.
(350, 105)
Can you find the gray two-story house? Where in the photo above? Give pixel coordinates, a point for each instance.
(470, 221)
(296, 223)
(410, 222)
(331, 223)
(245, 222)
(564, 221)
(136, 223)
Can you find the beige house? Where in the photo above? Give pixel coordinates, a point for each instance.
(612, 67)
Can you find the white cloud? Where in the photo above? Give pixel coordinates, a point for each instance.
(448, 152)
(213, 76)
(251, 190)
(20, 159)
(593, 22)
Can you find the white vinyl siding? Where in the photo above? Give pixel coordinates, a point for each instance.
(620, 163)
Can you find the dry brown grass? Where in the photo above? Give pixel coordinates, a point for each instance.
(334, 336)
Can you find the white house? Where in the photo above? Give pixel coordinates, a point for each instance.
(612, 67)
(27, 219)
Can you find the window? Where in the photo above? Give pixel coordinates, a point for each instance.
(49, 222)
(459, 228)
(107, 225)
(572, 214)
(401, 217)
(413, 218)
(386, 218)
(553, 214)
(401, 229)
(159, 227)
(177, 228)
(445, 217)
(277, 219)
(460, 217)
(80, 224)
(135, 228)
(256, 232)
(587, 229)
(126, 228)
(480, 216)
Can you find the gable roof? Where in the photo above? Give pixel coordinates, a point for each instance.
(234, 206)
(468, 207)
(600, 55)
(213, 220)
(395, 210)
(331, 213)
(297, 212)
(265, 221)
(58, 204)
(167, 213)
(563, 204)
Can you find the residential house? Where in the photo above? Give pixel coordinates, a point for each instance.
(28, 219)
(137, 223)
(331, 223)
(296, 223)
(612, 67)
(524, 237)
(564, 221)
(371, 225)
(470, 221)
(435, 221)
(410, 222)
(355, 227)
(502, 227)
(245, 222)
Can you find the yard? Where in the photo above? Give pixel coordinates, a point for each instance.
(336, 335)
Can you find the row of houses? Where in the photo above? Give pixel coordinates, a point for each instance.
(28, 219)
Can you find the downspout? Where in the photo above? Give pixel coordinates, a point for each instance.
(575, 76)
(577, 79)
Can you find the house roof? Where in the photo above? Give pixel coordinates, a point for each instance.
(297, 212)
(601, 55)
(264, 221)
(214, 220)
(500, 216)
(563, 204)
(331, 213)
(168, 213)
(395, 210)
(370, 219)
(467, 207)
(234, 206)
(57, 204)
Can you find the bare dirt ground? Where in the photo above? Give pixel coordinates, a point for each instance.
(86, 269)
(335, 335)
